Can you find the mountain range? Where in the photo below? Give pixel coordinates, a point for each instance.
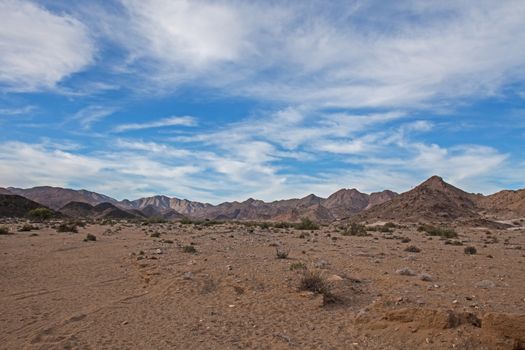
(432, 201)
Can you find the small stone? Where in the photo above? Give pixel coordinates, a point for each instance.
(124, 323)
(321, 264)
(425, 277)
(334, 278)
(158, 251)
(229, 267)
(405, 272)
(485, 284)
(188, 275)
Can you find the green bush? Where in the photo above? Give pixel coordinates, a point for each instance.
(307, 224)
(354, 230)
(41, 214)
(438, 231)
(283, 225)
(297, 266)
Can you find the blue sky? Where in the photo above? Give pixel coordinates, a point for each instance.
(225, 100)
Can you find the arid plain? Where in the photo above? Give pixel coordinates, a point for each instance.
(140, 286)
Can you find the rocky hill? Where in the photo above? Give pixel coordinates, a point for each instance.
(57, 197)
(16, 206)
(99, 211)
(432, 201)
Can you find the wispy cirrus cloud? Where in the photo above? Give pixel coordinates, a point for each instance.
(171, 121)
(405, 54)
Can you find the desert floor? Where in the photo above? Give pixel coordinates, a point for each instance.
(128, 290)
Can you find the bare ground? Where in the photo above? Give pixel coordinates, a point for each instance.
(128, 290)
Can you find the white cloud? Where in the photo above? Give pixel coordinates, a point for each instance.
(39, 48)
(338, 55)
(17, 110)
(171, 121)
(86, 117)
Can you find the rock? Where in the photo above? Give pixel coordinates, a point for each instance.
(425, 277)
(321, 264)
(485, 284)
(334, 278)
(410, 258)
(405, 271)
(188, 275)
(307, 294)
(229, 267)
(158, 251)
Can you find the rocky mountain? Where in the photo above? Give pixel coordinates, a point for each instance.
(99, 211)
(504, 204)
(434, 201)
(4, 191)
(57, 197)
(347, 202)
(181, 206)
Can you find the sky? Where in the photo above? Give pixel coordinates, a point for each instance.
(225, 100)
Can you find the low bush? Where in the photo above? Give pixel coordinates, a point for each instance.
(354, 230)
(90, 238)
(470, 250)
(412, 249)
(189, 249)
(67, 227)
(438, 231)
(41, 214)
(314, 281)
(281, 253)
(307, 224)
(4, 231)
(27, 228)
(297, 266)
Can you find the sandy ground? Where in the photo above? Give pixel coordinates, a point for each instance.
(128, 290)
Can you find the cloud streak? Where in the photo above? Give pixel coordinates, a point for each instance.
(166, 122)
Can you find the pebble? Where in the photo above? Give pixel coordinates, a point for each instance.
(405, 271)
(188, 275)
(485, 284)
(425, 277)
(321, 264)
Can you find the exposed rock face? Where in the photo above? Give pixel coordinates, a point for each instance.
(504, 204)
(434, 200)
(181, 206)
(344, 202)
(100, 211)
